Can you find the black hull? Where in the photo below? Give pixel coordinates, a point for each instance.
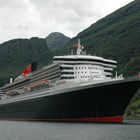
(101, 103)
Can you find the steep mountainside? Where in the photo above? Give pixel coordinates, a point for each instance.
(56, 40)
(117, 36)
(16, 54)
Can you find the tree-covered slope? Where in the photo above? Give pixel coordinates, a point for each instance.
(16, 54)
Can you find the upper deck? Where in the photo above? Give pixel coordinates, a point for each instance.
(84, 59)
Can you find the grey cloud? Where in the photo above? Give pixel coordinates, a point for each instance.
(14, 4)
(72, 13)
(80, 7)
(26, 18)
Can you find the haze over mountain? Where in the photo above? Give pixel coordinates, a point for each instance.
(56, 40)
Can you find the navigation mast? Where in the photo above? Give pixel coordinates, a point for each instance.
(79, 48)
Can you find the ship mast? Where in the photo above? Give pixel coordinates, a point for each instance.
(79, 48)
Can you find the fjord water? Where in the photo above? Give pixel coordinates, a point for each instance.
(12, 130)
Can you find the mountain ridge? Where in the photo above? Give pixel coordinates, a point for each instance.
(56, 40)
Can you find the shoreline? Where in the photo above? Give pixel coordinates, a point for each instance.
(137, 118)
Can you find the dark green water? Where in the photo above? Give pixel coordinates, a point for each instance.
(11, 130)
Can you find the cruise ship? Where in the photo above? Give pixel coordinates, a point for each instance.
(74, 88)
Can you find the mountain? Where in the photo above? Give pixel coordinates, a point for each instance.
(56, 40)
(16, 54)
(116, 36)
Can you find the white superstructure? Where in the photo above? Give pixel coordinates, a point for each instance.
(81, 67)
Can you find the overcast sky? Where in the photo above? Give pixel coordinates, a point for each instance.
(28, 18)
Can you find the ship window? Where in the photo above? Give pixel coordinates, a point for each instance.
(67, 68)
(67, 72)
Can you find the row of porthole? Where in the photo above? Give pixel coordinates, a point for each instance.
(83, 77)
(89, 68)
(79, 72)
(95, 76)
(86, 72)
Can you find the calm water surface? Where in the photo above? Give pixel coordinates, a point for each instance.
(12, 130)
